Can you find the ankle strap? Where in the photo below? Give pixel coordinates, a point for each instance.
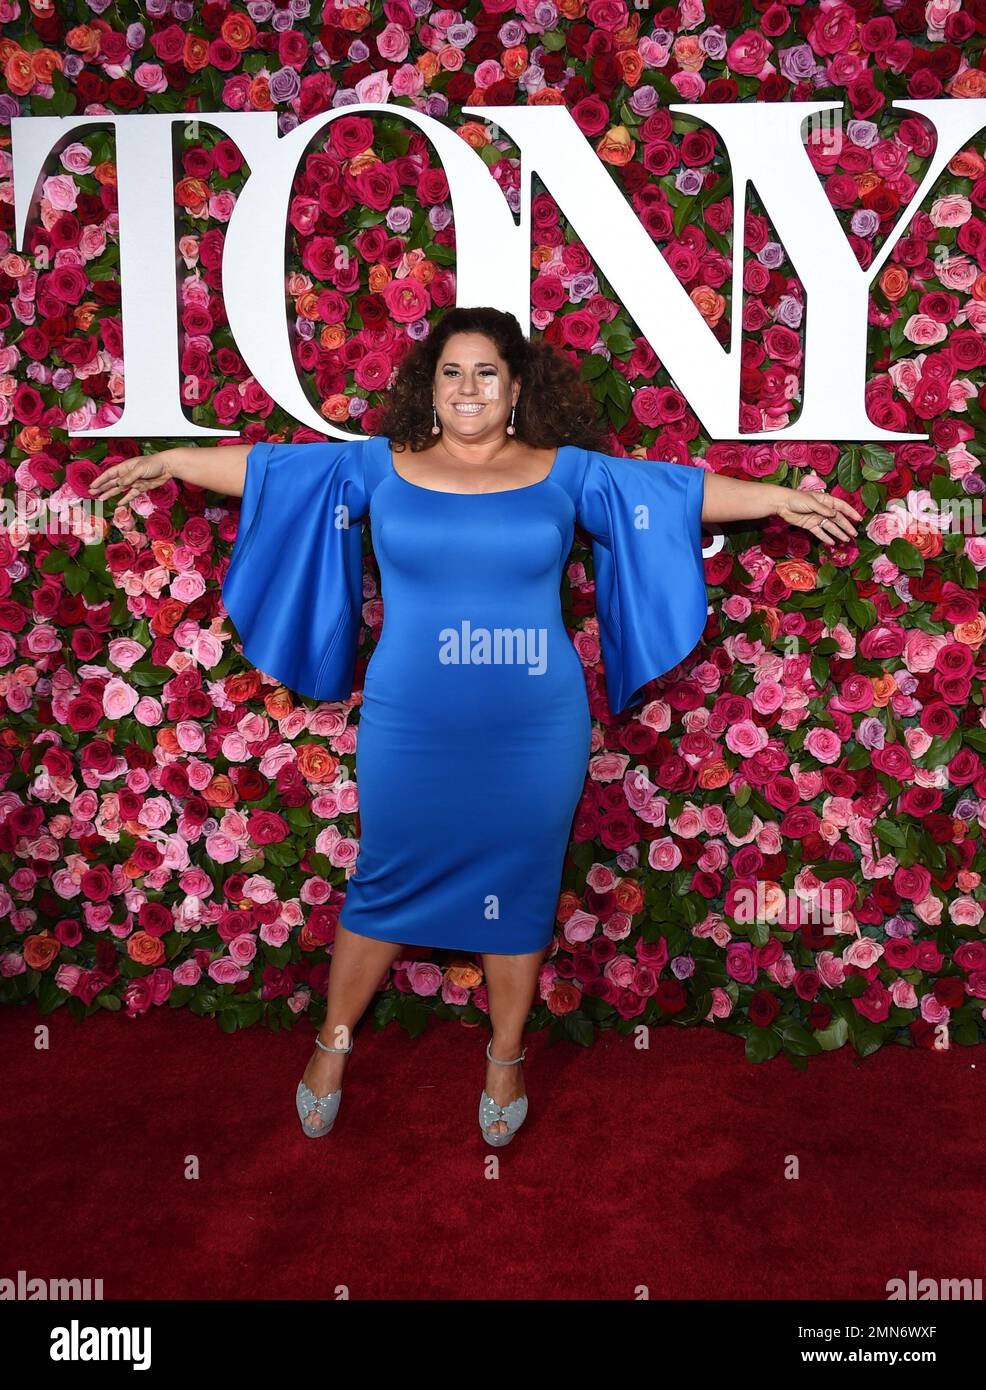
(325, 1047)
(499, 1060)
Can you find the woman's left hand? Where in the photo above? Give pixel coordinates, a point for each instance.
(824, 516)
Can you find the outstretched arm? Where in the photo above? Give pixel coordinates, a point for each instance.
(218, 469)
(737, 499)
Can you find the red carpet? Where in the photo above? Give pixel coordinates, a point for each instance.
(663, 1168)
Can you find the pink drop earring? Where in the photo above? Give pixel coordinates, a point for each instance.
(436, 427)
(510, 427)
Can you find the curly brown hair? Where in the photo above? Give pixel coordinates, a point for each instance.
(554, 406)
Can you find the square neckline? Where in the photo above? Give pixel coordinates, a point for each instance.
(499, 492)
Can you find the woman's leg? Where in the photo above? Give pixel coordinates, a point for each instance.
(359, 964)
(510, 982)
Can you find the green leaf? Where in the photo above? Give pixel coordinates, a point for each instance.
(618, 391)
(54, 562)
(578, 1029)
(891, 833)
(867, 1037)
(594, 365)
(412, 1012)
(762, 1044)
(834, 1036)
(849, 471)
(683, 214)
(905, 556)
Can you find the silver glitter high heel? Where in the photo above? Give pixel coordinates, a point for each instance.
(327, 1106)
(513, 1114)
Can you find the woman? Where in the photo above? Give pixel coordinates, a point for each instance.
(474, 727)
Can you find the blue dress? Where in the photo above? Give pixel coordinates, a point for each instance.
(473, 735)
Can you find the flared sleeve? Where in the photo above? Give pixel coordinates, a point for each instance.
(294, 586)
(645, 520)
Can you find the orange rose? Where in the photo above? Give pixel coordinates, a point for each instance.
(40, 951)
(866, 181)
(571, 9)
(710, 304)
(378, 278)
(166, 739)
(979, 287)
(547, 96)
(628, 896)
(688, 53)
(239, 31)
(515, 61)
(84, 313)
(336, 408)
(926, 540)
(427, 64)
(971, 83)
(540, 256)
(797, 574)
(568, 903)
(630, 64)
(145, 949)
(220, 791)
(474, 134)
(332, 336)
(18, 74)
(971, 633)
(306, 304)
(44, 63)
(713, 773)
(105, 173)
(967, 164)
(894, 282)
(258, 95)
(424, 271)
(195, 54)
(279, 702)
(466, 974)
(616, 146)
(84, 39)
(884, 689)
(167, 617)
(164, 553)
(564, 998)
(316, 763)
(364, 160)
(239, 689)
(352, 17)
(193, 195)
(33, 439)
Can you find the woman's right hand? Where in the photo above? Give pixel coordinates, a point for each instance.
(141, 473)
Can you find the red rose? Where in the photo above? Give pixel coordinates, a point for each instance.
(97, 883)
(350, 135)
(764, 1008)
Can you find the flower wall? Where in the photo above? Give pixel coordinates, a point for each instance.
(176, 830)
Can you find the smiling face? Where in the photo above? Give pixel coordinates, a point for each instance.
(473, 390)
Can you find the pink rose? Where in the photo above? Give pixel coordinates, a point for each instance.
(393, 43)
(423, 977)
(748, 53)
